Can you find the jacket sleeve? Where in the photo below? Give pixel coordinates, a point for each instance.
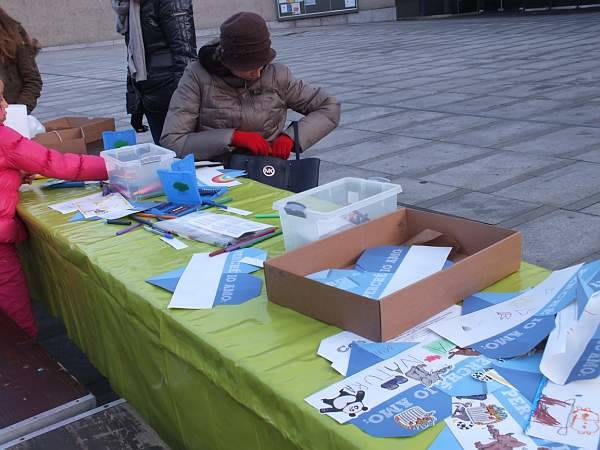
(321, 111)
(177, 23)
(30, 75)
(29, 156)
(179, 132)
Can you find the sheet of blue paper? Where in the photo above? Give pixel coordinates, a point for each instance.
(365, 354)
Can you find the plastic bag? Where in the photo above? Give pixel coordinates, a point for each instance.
(35, 126)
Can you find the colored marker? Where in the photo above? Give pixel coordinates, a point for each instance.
(258, 240)
(128, 229)
(143, 221)
(267, 216)
(156, 216)
(118, 222)
(159, 232)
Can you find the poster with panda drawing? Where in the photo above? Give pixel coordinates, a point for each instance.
(404, 394)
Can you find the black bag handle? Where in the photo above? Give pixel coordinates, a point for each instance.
(296, 139)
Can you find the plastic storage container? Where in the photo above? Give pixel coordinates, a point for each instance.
(132, 169)
(333, 207)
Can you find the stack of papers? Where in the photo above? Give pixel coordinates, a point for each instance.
(215, 229)
(486, 374)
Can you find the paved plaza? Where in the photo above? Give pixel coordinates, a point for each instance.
(491, 118)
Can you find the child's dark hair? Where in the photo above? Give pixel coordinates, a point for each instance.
(13, 36)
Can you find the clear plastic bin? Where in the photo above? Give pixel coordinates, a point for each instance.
(132, 169)
(333, 207)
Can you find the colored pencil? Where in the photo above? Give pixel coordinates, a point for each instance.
(156, 216)
(248, 239)
(258, 240)
(128, 229)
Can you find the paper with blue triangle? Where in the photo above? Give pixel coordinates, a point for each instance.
(169, 280)
(211, 281)
(364, 354)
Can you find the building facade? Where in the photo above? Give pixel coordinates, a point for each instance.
(65, 22)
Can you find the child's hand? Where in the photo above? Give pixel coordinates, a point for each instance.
(27, 178)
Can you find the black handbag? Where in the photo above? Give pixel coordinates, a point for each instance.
(292, 175)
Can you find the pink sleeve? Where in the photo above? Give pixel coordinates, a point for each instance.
(29, 156)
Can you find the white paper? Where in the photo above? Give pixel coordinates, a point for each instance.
(488, 423)
(368, 381)
(420, 262)
(239, 212)
(106, 207)
(175, 243)
(198, 285)
(568, 341)
(488, 322)
(210, 176)
(70, 206)
(568, 414)
(16, 118)
(252, 261)
(227, 225)
(337, 348)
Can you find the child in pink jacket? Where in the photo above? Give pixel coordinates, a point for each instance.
(19, 157)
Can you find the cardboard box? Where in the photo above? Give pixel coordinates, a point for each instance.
(75, 134)
(483, 255)
(91, 127)
(66, 141)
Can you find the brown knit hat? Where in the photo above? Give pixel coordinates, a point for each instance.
(245, 42)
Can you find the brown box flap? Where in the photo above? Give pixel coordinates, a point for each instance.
(91, 127)
(65, 141)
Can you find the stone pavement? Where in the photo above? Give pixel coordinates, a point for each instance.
(490, 118)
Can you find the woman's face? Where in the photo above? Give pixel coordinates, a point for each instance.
(249, 75)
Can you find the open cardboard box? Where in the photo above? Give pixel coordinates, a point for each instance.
(91, 127)
(483, 255)
(66, 141)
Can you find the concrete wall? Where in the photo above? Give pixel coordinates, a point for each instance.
(63, 22)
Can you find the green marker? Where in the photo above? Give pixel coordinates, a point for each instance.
(267, 216)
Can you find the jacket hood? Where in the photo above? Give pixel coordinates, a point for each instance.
(209, 59)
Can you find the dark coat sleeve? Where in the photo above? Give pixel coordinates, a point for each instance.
(177, 23)
(30, 77)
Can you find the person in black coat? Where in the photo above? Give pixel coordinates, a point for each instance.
(161, 41)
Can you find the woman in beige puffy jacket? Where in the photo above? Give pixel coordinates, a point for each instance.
(235, 98)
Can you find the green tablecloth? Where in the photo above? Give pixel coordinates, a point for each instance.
(228, 378)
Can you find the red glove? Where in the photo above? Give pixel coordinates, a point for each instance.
(282, 146)
(251, 140)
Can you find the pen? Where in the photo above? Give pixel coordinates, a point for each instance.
(66, 184)
(159, 232)
(221, 204)
(235, 245)
(267, 216)
(128, 229)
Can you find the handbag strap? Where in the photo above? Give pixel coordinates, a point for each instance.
(296, 139)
